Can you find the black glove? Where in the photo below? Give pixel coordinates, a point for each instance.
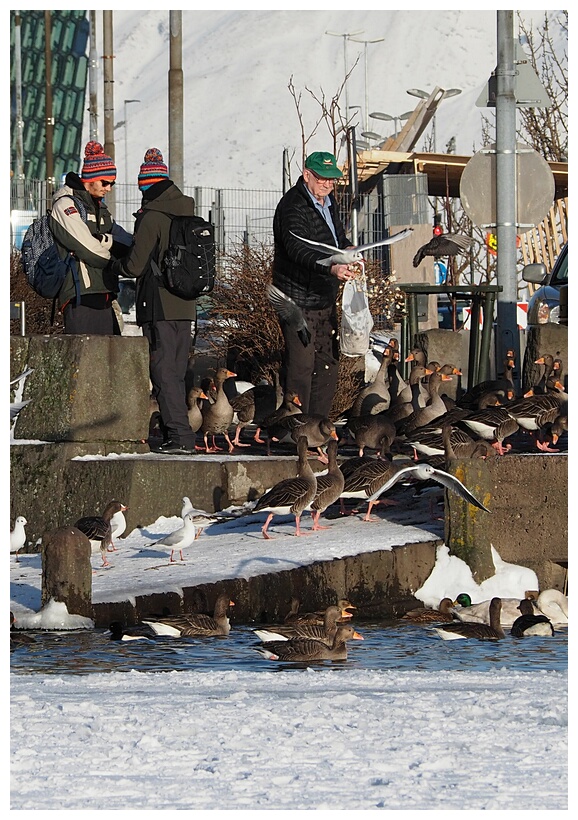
(110, 278)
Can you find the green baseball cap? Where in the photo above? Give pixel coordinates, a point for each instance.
(323, 164)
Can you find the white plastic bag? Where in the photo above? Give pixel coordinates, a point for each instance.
(356, 318)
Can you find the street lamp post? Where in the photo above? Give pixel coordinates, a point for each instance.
(365, 43)
(346, 36)
(379, 115)
(126, 102)
(424, 95)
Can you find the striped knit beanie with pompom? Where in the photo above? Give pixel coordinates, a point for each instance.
(152, 170)
(96, 164)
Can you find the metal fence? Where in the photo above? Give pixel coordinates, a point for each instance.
(244, 215)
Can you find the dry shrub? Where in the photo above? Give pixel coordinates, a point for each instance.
(37, 309)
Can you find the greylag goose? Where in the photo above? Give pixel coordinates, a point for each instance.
(253, 406)
(368, 475)
(482, 632)
(296, 617)
(445, 244)
(119, 633)
(317, 429)
(458, 445)
(181, 539)
(376, 396)
(494, 424)
(290, 495)
(329, 486)
(218, 417)
(196, 624)
(98, 529)
(503, 386)
(195, 397)
(479, 613)
(529, 623)
(320, 632)
(414, 391)
(427, 615)
(425, 472)
(434, 408)
(290, 406)
(533, 413)
(309, 649)
(554, 605)
(373, 431)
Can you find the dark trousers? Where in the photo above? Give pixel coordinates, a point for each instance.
(311, 372)
(81, 319)
(169, 346)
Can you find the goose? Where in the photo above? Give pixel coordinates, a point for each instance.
(217, 417)
(117, 632)
(291, 405)
(376, 396)
(503, 386)
(290, 495)
(195, 397)
(361, 481)
(98, 529)
(253, 406)
(329, 486)
(554, 605)
(321, 632)
(446, 244)
(434, 408)
(373, 431)
(309, 649)
(182, 538)
(529, 623)
(479, 613)
(458, 445)
(317, 429)
(533, 413)
(482, 632)
(428, 615)
(413, 392)
(494, 424)
(195, 624)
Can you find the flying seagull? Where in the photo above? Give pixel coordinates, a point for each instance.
(353, 255)
(290, 312)
(425, 472)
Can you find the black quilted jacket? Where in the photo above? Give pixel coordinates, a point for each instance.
(295, 268)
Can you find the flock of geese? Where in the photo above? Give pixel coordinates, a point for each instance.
(324, 634)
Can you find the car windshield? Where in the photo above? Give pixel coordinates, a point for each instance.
(560, 273)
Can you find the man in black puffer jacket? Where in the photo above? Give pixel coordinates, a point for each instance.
(310, 211)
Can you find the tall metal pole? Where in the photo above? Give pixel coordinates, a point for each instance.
(353, 184)
(365, 44)
(92, 80)
(49, 119)
(176, 88)
(19, 120)
(507, 336)
(346, 36)
(108, 74)
(126, 169)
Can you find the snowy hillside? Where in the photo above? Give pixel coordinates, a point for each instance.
(239, 114)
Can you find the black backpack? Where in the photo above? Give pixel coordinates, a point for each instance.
(45, 271)
(187, 268)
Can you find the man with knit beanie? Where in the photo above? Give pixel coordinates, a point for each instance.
(166, 320)
(83, 226)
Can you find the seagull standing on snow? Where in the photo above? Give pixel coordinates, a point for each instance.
(350, 256)
(180, 539)
(18, 535)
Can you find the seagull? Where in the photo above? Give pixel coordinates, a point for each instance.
(23, 375)
(201, 518)
(180, 539)
(17, 405)
(447, 244)
(18, 535)
(290, 312)
(352, 255)
(425, 472)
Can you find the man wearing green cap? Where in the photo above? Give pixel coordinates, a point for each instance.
(309, 210)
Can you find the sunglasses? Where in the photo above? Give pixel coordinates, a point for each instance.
(106, 184)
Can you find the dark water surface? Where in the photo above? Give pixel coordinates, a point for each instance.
(386, 645)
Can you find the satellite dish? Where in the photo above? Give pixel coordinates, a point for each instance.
(534, 183)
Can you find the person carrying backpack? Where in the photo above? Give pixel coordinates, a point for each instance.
(165, 319)
(82, 225)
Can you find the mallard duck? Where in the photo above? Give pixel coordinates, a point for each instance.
(482, 632)
(290, 495)
(467, 612)
(309, 649)
(195, 624)
(427, 615)
(329, 486)
(529, 623)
